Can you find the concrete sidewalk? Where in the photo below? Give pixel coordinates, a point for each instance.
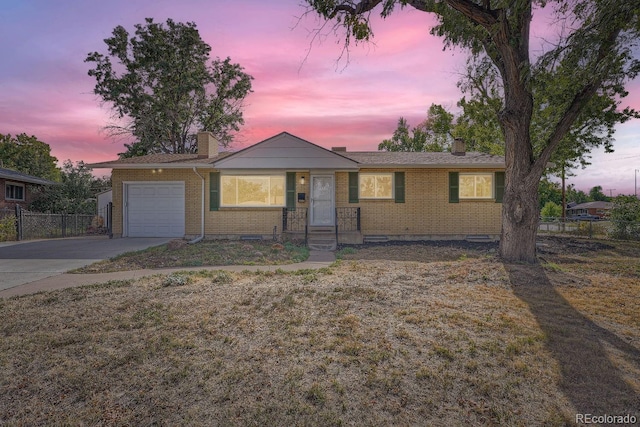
(317, 259)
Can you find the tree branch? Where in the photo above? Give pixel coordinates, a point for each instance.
(580, 99)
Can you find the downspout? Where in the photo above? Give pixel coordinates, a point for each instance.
(201, 236)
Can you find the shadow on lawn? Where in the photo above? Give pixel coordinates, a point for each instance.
(590, 380)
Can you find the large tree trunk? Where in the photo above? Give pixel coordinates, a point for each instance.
(519, 219)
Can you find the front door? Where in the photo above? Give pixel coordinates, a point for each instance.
(322, 200)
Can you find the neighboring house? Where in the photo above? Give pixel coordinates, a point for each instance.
(600, 209)
(285, 184)
(18, 188)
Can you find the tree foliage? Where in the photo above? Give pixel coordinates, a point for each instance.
(162, 84)
(433, 134)
(28, 155)
(625, 217)
(584, 71)
(76, 193)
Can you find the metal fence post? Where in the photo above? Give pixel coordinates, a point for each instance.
(109, 219)
(18, 223)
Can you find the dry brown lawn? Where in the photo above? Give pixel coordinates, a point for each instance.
(442, 340)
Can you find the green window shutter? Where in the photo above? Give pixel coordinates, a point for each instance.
(499, 184)
(454, 187)
(291, 191)
(353, 187)
(399, 187)
(214, 191)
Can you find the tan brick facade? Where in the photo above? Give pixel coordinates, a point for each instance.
(426, 212)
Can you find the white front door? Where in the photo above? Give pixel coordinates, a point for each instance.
(322, 200)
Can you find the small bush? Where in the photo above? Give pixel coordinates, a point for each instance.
(7, 229)
(221, 277)
(176, 280)
(345, 251)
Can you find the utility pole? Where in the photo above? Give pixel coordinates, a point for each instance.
(635, 188)
(611, 190)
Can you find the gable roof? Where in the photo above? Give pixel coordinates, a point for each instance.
(12, 175)
(286, 151)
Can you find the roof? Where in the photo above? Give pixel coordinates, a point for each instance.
(296, 156)
(424, 159)
(593, 205)
(286, 151)
(156, 160)
(23, 177)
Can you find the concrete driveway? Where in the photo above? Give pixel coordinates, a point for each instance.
(26, 262)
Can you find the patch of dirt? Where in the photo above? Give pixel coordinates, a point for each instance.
(421, 251)
(567, 245)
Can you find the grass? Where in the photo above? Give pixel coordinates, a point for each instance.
(204, 253)
(451, 342)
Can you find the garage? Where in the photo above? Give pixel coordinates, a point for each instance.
(154, 209)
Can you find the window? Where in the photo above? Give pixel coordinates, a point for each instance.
(253, 190)
(376, 185)
(476, 186)
(14, 192)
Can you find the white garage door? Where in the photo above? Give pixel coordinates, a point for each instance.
(155, 210)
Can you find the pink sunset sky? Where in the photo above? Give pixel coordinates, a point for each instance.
(45, 90)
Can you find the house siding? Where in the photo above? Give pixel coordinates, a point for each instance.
(232, 222)
(425, 214)
(192, 193)
(426, 211)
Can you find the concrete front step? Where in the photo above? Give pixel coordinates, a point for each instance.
(322, 241)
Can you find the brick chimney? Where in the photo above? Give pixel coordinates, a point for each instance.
(207, 145)
(459, 147)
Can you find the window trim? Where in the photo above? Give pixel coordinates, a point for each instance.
(387, 174)
(222, 204)
(492, 196)
(17, 185)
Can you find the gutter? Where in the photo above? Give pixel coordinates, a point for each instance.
(201, 236)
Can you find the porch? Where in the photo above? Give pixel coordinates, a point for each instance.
(345, 229)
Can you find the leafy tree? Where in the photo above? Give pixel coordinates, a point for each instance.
(549, 191)
(576, 196)
(551, 210)
(625, 217)
(434, 134)
(592, 58)
(28, 155)
(596, 194)
(75, 194)
(163, 84)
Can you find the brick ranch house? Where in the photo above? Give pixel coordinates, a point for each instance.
(287, 186)
(18, 188)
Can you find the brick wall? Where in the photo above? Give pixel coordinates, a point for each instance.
(426, 211)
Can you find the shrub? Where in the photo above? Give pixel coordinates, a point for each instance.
(625, 218)
(550, 210)
(176, 280)
(7, 229)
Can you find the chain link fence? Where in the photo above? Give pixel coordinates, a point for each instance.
(602, 229)
(21, 224)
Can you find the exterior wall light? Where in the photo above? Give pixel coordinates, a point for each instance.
(302, 180)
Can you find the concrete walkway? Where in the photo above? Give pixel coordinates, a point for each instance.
(317, 259)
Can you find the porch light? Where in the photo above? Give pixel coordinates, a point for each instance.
(302, 180)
